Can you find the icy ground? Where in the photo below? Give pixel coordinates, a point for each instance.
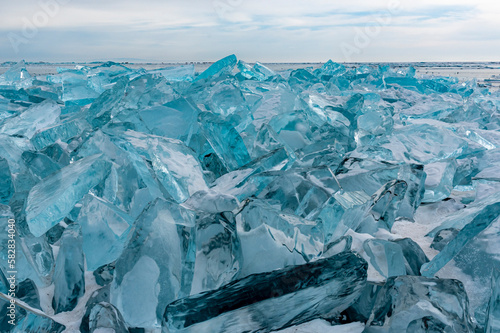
(236, 197)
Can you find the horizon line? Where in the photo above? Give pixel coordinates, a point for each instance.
(262, 62)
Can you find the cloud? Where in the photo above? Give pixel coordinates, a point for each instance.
(281, 30)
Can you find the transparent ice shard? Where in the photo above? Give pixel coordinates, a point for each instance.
(69, 278)
(252, 178)
(487, 166)
(225, 140)
(413, 254)
(278, 99)
(439, 180)
(144, 91)
(227, 100)
(100, 112)
(108, 68)
(34, 323)
(64, 131)
(52, 199)
(218, 252)
(301, 191)
(396, 257)
(330, 69)
(486, 217)
(99, 296)
(273, 300)
(104, 274)
(472, 255)
(493, 315)
(104, 230)
(129, 186)
(357, 211)
(16, 74)
(105, 317)
(12, 314)
(211, 163)
(175, 165)
(220, 67)
(443, 237)
(40, 164)
(35, 118)
(177, 73)
(301, 79)
(263, 71)
(6, 186)
(57, 153)
(329, 147)
(406, 303)
(176, 119)
(11, 149)
(102, 78)
(362, 308)
(211, 201)
(39, 255)
(126, 97)
(246, 70)
(27, 292)
(263, 229)
(34, 258)
(424, 143)
(340, 245)
(386, 257)
(457, 219)
(7, 110)
(75, 89)
(386, 203)
(355, 174)
(157, 263)
(344, 211)
(374, 123)
(294, 129)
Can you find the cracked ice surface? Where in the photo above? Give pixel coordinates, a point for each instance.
(243, 199)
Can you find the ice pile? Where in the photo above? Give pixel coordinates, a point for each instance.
(247, 200)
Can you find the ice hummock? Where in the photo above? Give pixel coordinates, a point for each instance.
(245, 198)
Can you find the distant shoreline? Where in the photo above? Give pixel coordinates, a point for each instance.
(482, 64)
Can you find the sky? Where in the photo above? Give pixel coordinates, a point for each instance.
(254, 30)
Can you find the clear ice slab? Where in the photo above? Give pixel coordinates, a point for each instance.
(386, 257)
(413, 303)
(37, 117)
(272, 300)
(104, 229)
(481, 222)
(493, 313)
(223, 66)
(6, 186)
(69, 277)
(157, 263)
(473, 255)
(262, 229)
(218, 252)
(53, 199)
(105, 317)
(175, 165)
